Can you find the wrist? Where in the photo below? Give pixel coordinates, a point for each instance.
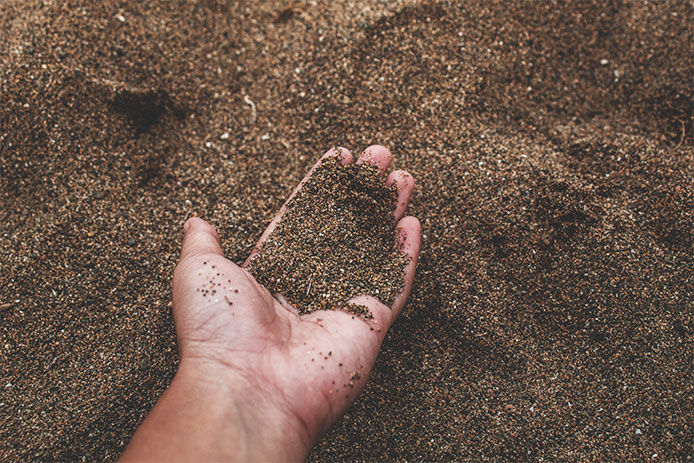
(209, 413)
(245, 421)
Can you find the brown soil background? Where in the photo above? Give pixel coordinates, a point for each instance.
(552, 145)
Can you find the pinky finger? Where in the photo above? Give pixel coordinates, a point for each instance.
(409, 232)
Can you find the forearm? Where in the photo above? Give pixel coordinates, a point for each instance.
(207, 417)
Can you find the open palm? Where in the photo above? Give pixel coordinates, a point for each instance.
(311, 366)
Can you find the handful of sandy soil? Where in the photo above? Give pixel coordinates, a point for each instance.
(335, 241)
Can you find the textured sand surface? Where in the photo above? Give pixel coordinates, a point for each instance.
(552, 315)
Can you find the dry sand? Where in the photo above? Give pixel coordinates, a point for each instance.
(335, 242)
(552, 314)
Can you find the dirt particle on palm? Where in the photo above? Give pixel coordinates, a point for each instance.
(335, 241)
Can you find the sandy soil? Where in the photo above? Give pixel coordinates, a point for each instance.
(552, 317)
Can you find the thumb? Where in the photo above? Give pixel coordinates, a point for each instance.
(199, 238)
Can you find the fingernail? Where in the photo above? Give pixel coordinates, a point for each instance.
(186, 226)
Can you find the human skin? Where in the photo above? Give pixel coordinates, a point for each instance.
(256, 381)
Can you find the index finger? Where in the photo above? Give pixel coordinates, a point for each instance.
(345, 156)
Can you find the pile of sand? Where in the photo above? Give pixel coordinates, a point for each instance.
(335, 241)
(552, 148)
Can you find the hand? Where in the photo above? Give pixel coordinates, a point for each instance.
(273, 374)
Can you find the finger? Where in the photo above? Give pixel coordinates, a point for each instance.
(408, 239)
(345, 156)
(404, 182)
(383, 315)
(200, 238)
(377, 155)
(409, 232)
